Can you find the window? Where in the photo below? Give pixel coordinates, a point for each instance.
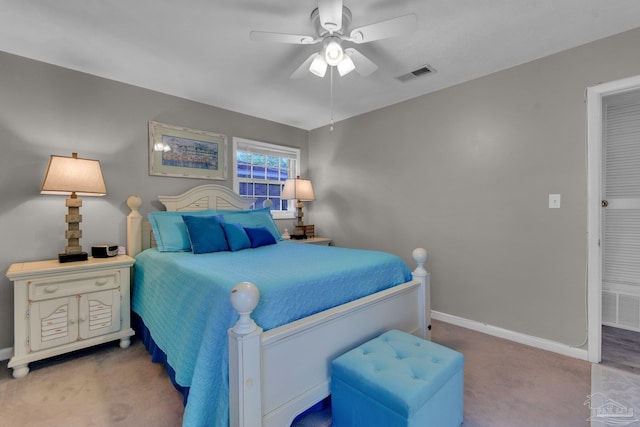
(260, 170)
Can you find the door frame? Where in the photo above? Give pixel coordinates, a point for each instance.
(594, 210)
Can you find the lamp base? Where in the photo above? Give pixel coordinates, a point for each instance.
(82, 256)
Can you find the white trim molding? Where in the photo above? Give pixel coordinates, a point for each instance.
(5, 353)
(541, 343)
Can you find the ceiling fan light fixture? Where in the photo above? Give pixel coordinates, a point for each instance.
(333, 52)
(346, 65)
(318, 66)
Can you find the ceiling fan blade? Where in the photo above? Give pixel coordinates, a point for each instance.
(264, 36)
(364, 66)
(303, 69)
(381, 30)
(330, 12)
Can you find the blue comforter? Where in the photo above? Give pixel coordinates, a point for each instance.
(184, 301)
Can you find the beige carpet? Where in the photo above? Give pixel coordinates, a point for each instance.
(506, 384)
(509, 384)
(104, 386)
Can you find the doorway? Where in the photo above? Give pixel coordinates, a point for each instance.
(595, 110)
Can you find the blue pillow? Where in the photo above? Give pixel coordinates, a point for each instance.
(260, 236)
(237, 238)
(206, 234)
(170, 230)
(253, 218)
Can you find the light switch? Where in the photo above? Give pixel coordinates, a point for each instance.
(554, 201)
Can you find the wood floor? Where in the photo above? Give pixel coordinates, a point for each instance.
(621, 349)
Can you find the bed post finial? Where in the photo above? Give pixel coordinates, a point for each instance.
(244, 299)
(420, 256)
(134, 202)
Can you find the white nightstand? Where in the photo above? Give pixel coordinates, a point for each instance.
(315, 241)
(62, 307)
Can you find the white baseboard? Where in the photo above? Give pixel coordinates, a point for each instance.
(541, 343)
(5, 353)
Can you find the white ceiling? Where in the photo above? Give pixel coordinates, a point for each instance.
(200, 49)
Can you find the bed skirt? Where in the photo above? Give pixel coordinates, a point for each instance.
(157, 355)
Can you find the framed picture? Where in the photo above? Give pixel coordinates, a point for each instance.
(186, 153)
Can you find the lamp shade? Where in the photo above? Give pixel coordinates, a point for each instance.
(318, 66)
(66, 175)
(346, 66)
(300, 189)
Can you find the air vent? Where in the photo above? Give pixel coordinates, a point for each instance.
(620, 310)
(420, 72)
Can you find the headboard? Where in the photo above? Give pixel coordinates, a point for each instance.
(207, 196)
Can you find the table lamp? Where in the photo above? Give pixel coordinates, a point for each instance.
(73, 176)
(300, 190)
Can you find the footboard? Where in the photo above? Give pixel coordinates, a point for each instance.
(274, 376)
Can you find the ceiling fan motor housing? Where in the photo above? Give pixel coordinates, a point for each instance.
(322, 31)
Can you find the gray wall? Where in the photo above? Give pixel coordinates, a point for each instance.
(466, 173)
(48, 110)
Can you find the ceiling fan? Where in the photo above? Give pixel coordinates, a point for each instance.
(331, 21)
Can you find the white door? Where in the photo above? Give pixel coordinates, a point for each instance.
(621, 211)
(595, 152)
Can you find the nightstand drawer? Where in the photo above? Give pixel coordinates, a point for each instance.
(41, 289)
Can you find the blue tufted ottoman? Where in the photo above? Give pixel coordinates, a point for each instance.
(397, 380)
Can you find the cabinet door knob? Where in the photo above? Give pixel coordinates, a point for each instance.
(50, 289)
(605, 203)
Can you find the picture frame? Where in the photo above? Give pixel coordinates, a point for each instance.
(186, 153)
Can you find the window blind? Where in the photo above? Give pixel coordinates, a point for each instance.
(267, 150)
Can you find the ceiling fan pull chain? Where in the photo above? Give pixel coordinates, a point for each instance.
(331, 98)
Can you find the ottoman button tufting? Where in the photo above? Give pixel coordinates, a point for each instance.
(412, 383)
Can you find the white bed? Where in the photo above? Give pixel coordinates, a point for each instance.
(276, 375)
